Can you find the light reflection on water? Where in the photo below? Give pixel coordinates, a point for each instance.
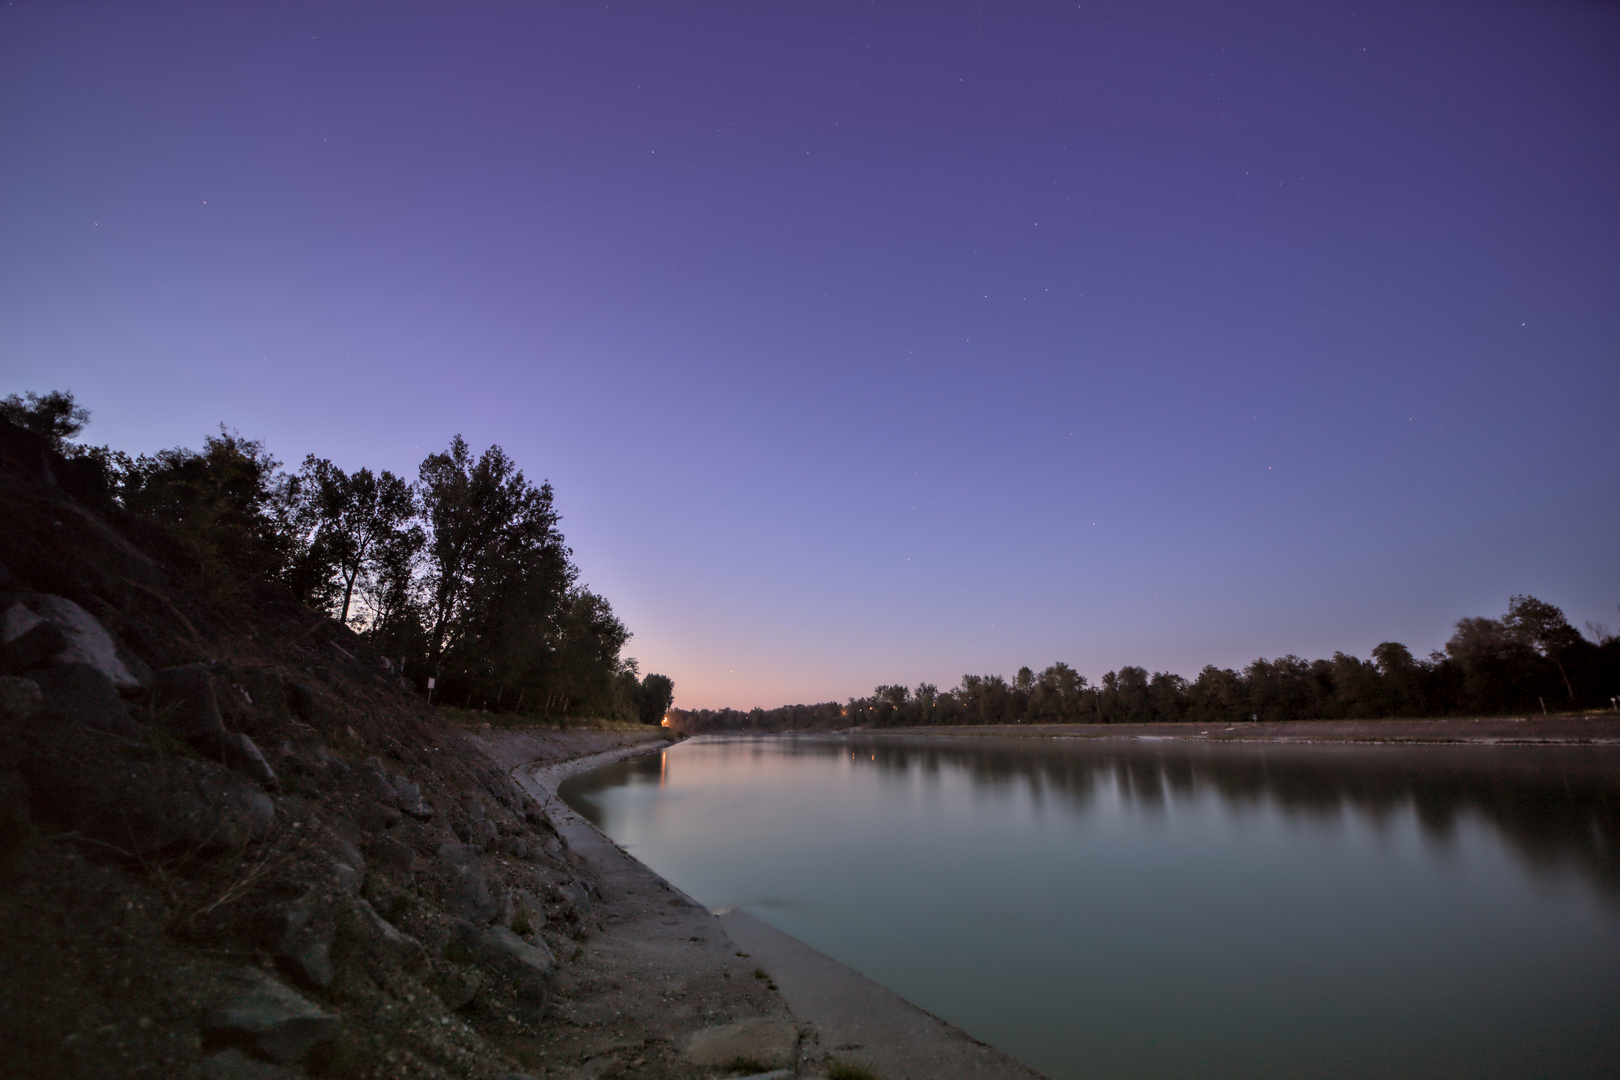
(1166, 909)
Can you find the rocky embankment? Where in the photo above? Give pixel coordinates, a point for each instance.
(236, 845)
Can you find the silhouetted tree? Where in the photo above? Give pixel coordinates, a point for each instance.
(1543, 627)
(360, 524)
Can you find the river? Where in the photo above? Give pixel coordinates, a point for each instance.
(1134, 909)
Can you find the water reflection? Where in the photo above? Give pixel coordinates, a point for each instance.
(1555, 806)
(1169, 908)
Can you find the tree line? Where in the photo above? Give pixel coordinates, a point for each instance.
(461, 574)
(1528, 660)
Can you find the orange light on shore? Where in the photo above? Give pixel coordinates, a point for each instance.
(665, 723)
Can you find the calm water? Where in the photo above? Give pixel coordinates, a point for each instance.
(1166, 909)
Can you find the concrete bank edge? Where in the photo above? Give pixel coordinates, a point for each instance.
(843, 1006)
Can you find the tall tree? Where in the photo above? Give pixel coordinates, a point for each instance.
(657, 695)
(358, 519)
(486, 523)
(1543, 627)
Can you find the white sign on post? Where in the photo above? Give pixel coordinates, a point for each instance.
(430, 684)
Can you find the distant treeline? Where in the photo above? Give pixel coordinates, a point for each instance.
(1527, 660)
(462, 574)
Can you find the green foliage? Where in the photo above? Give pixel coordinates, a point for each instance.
(850, 1070)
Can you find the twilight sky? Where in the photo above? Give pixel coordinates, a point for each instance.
(869, 342)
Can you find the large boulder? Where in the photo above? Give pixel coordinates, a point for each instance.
(469, 890)
(83, 694)
(410, 798)
(305, 703)
(526, 969)
(183, 699)
(269, 1020)
(373, 777)
(308, 928)
(84, 641)
(239, 752)
(329, 927)
(28, 641)
(134, 799)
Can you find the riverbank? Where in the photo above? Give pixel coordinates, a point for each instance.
(1595, 729)
(659, 974)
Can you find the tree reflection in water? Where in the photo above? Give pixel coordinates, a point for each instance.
(1556, 806)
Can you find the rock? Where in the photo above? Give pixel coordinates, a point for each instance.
(455, 985)
(387, 901)
(231, 1064)
(410, 799)
(468, 889)
(373, 776)
(350, 854)
(768, 1041)
(82, 694)
(80, 780)
(17, 620)
(331, 762)
(575, 893)
(183, 698)
(361, 921)
(304, 702)
(523, 912)
(239, 752)
(267, 696)
(259, 812)
(393, 855)
(308, 928)
(270, 1020)
(29, 641)
(88, 642)
(346, 878)
(19, 698)
(528, 968)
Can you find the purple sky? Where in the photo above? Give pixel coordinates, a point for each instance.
(866, 342)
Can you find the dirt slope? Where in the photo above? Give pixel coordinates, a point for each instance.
(235, 844)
